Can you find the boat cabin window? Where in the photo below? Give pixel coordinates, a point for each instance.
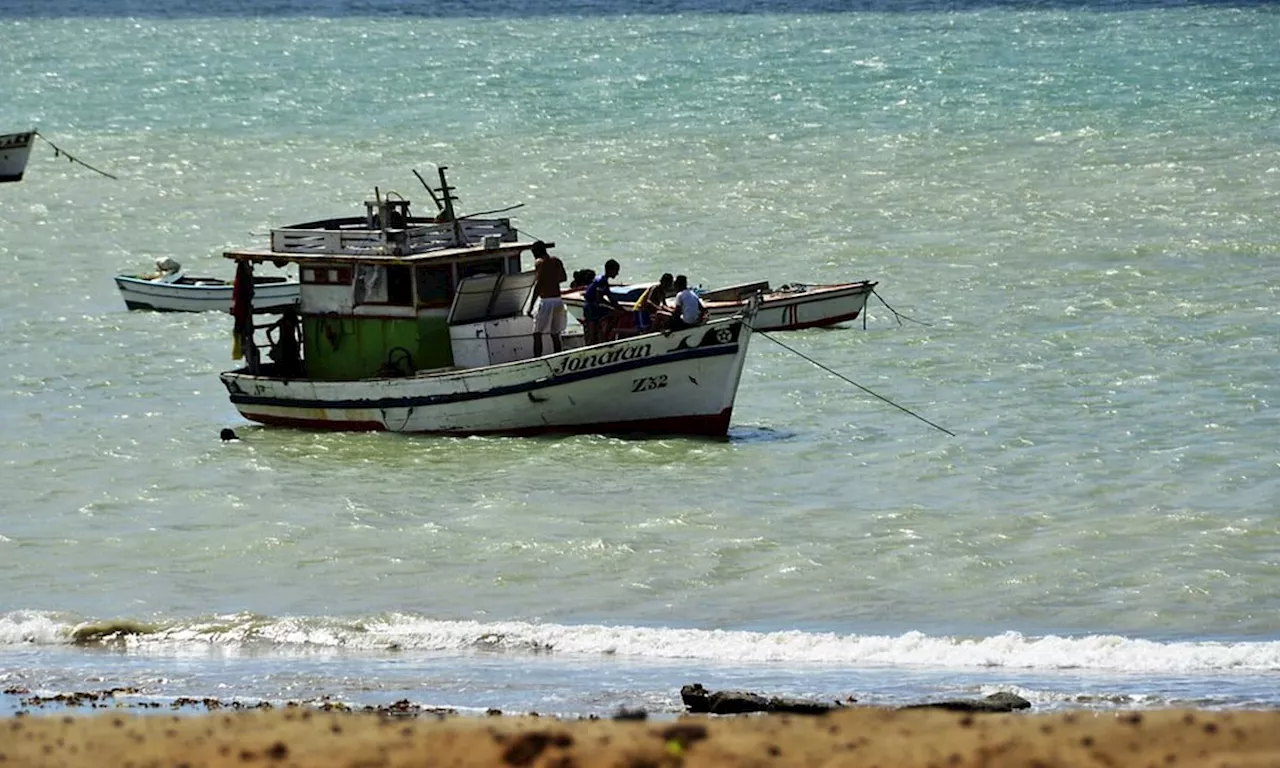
(376, 284)
(327, 275)
(400, 286)
(487, 267)
(435, 286)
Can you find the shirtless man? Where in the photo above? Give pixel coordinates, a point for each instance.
(549, 316)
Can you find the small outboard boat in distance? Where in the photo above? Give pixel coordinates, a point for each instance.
(169, 289)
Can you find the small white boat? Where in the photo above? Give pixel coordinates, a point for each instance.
(787, 308)
(15, 148)
(423, 324)
(168, 289)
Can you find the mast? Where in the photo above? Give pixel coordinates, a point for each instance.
(446, 194)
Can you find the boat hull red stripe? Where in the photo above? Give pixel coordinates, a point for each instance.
(814, 324)
(711, 425)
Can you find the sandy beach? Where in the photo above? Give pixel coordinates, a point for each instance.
(853, 737)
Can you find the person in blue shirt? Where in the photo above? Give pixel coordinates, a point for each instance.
(599, 304)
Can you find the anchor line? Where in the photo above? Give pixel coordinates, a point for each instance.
(898, 315)
(841, 376)
(59, 151)
(495, 210)
(528, 233)
(408, 414)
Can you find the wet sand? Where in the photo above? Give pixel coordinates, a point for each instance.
(852, 737)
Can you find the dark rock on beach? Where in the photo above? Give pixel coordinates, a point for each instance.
(1002, 701)
(631, 714)
(699, 699)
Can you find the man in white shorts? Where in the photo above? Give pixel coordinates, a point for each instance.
(549, 316)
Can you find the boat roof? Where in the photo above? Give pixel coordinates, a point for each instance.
(411, 240)
(454, 253)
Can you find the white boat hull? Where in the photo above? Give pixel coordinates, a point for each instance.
(810, 306)
(682, 383)
(212, 295)
(813, 307)
(15, 148)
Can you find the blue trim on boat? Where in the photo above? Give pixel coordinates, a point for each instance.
(514, 389)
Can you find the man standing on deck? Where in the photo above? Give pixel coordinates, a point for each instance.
(550, 315)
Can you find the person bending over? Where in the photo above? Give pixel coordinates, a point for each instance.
(651, 302)
(689, 309)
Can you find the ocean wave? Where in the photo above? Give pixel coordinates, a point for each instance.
(230, 634)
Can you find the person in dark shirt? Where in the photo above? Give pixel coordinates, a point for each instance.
(600, 304)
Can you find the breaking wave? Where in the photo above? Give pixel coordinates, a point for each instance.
(246, 633)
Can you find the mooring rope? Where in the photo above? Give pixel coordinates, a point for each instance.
(496, 210)
(59, 152)
(898, 315)
(839, 375)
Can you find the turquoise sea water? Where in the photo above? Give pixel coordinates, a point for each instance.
(1072, 207)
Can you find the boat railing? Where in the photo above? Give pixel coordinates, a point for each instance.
(416, 238)
(435, 236)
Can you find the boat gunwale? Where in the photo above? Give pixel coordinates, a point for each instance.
(549, 360)
(213, 283)
(24, 141)
(578, 295)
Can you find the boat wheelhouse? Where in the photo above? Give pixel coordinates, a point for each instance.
(384, 281)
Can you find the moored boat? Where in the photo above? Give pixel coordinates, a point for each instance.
(169, 289)
(422, 324)
(15, 148)
(789, 307)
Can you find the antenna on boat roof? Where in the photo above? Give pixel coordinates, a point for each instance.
(446, 192)
(379, 218)
(430, 191)
(448, 214)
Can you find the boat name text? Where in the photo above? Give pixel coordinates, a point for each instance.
(598, 359)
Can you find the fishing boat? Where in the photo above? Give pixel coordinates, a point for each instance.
(15, 148)
(789, 307)
(423, 324)
(169, 289)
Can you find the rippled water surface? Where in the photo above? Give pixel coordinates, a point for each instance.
(1071, 216)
